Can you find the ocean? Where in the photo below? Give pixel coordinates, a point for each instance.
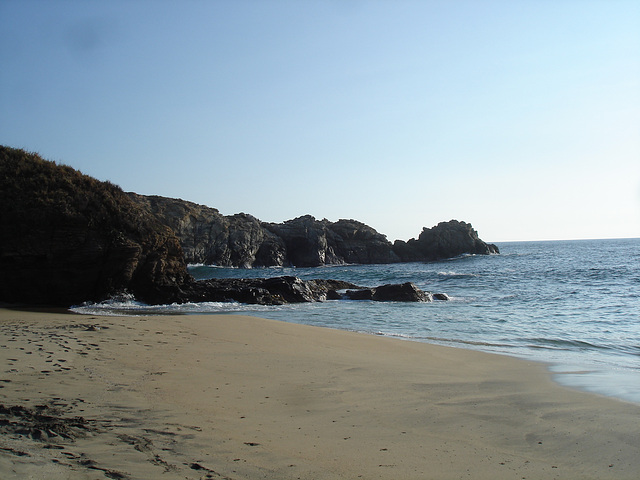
(574, 305)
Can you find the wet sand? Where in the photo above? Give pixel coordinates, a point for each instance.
(235, 397)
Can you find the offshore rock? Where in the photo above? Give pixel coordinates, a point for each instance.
(441, 296)
(66, 238)
(445, 240)
(406, 292)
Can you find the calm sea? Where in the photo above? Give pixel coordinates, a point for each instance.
(572, 304)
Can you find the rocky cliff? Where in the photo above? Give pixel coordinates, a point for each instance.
(310, 243)
(208, 237)
(66, 238)
(244, 241)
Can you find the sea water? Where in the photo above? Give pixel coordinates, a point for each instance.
(574, 305)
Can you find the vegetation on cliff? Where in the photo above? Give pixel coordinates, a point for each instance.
(66, 237)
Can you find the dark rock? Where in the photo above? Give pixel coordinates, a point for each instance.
(361, 294)
(440, 296)
(66, 238)
(406, 292)
(305, 241)
(291, 289)
(288, 289)
(311, 243)
(263, 291)
(333, 295)
(445, 240)
(328, 289)
(360, 244)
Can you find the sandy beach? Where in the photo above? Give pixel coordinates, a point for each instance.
(236, 397)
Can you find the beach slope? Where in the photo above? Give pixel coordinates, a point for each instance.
(236, 397)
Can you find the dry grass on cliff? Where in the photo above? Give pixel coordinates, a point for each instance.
(38, 191)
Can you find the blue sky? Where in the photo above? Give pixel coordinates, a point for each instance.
(520, 117)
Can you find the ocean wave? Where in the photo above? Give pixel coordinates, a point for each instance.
(452, 274)
(128, 306)
(561, 344)
(478, 343)
(394, 335)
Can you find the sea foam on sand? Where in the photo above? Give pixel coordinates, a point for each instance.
(230, 396)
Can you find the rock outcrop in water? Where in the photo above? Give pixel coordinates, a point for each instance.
(406, 292)
(267, 291)
(244, 241)
(445, 240)
(289, 289)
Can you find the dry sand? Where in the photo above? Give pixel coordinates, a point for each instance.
(234, 397)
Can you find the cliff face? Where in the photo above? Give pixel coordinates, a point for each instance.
(310, 242)
(244, 241)
(208, 237)
(66, 238)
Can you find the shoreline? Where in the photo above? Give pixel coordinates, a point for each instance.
(240, 397)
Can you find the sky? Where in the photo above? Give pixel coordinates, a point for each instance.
(519, 117)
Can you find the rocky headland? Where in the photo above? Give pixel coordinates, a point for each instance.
(242, 240)
(67, 238)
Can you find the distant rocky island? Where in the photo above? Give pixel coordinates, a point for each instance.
(66, 238)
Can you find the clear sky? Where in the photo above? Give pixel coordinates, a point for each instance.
(521, 117)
